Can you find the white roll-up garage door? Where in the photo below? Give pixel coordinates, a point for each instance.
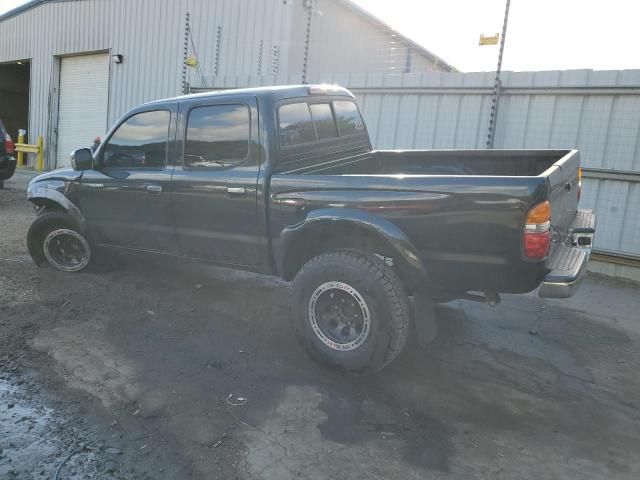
(82, 110)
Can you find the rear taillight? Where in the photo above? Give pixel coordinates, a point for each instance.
(579, 182)
(537, 225)
(9, 147)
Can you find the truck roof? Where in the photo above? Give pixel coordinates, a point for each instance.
(275, 92)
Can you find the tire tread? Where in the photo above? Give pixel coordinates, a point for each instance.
(396, 297)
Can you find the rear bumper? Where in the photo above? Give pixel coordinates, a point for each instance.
(569, 262)
(563, 281)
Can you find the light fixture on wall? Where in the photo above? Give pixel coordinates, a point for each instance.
(117, 58)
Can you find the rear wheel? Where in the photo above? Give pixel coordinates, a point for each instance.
(55, 239)
(350, 311)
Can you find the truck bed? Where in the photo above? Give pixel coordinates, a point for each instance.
(462, 210)
(518, 163)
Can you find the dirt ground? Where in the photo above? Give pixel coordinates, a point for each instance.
(132, 373)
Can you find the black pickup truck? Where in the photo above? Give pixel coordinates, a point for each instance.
(284, 181)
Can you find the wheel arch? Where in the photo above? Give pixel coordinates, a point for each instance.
(326, 230)
(48, 196)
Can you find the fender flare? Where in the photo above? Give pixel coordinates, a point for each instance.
(50, 192)
(405, 252)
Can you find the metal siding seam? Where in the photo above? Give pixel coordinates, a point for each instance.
(636, 149)
(456, 122)
(605, 146)
(624, 215)
(249, 37)
(481, 114)
(553, 119)
(580, 120)
(152, 85)
(233, 22)
(415, 121)
(435, 122)
(223, 47)
(397, 101)
(527, 117)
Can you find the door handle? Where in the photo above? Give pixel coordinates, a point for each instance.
(236, 191)
(153, 189)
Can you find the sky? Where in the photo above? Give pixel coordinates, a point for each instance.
(542, 34)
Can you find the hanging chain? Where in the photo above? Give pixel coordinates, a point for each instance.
(185, 53)
(307, 41)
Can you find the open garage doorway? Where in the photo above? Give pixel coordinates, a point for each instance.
(14, 97)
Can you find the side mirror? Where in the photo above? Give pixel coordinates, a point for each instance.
(82, 159)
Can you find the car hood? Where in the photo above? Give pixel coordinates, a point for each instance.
(64, 174)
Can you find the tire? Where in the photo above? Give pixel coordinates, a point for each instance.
(51, 229)
(333, 287)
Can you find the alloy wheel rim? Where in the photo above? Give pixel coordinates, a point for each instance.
(66, 250)
(339, 316)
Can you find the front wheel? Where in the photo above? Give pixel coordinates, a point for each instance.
(350, 311)
(54, 238)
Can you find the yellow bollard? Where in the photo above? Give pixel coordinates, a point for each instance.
(40, 157)
(20, 163)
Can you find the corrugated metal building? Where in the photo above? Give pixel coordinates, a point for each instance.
(89, 61)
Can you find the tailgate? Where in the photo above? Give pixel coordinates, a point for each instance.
(571, 228)
(564, 191)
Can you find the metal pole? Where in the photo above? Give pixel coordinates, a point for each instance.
(497, 84)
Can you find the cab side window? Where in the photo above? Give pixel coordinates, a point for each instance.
(139, 142)
(323, 120)
(296, 126)
(217, 136)
(348, 117)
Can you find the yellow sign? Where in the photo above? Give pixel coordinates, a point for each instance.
(489, 39)
(192, 61)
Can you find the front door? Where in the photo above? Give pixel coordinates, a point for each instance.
(214, 189)
(126, 198)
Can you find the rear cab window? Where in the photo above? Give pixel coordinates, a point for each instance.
(296, 125)
(306, 122)
(348, 117)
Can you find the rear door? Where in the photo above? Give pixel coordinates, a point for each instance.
(214, 186)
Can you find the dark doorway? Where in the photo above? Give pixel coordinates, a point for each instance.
(14, 97)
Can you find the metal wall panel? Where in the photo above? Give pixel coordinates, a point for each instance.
(150, 36)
